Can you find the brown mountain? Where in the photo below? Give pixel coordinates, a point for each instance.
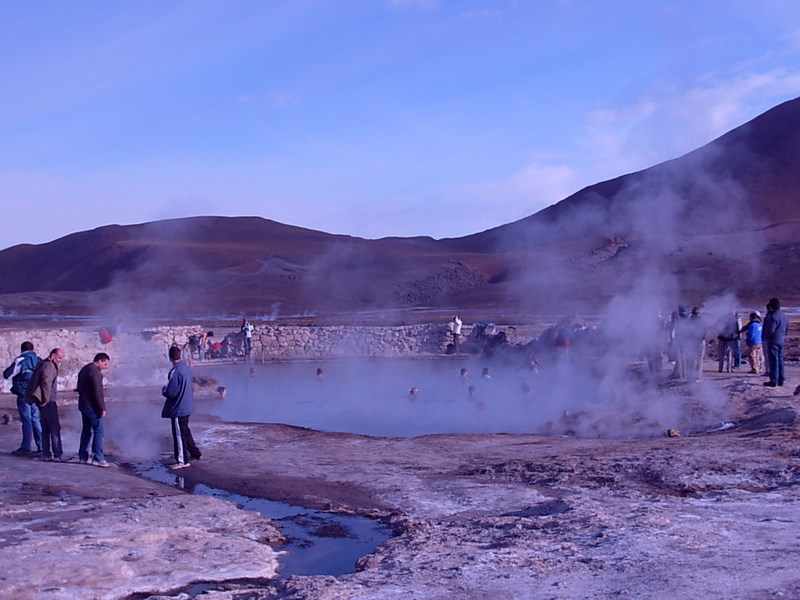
(723, 219)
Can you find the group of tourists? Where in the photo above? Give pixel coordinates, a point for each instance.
(764, 337)
(35, 384)
(232, 345)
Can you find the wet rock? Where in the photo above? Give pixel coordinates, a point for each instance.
(105, 534)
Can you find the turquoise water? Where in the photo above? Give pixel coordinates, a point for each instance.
(372, 397)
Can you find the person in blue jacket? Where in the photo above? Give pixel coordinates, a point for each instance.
(178, 406)
(753, 340)
(19, 372)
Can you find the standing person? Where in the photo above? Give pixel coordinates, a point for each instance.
(42, 390)
(178, 406)
(247, 330)
(20, 372)
(752, 330)
(695, 346)
(676, 344)
(455, 328)
(728, 329)
(776, 326)
(92, 404)
(737, 344)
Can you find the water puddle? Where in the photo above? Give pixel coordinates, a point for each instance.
(319, 543)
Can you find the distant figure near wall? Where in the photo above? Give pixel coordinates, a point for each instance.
(247, 330)
(454, 326)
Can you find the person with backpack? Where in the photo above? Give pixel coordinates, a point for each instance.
(20, 372)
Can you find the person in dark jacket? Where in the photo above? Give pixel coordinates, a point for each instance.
(92, 404)
(776, 326)
(20, 372)
(179, 405)
(43, 390)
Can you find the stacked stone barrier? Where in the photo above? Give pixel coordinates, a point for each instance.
(139, 357)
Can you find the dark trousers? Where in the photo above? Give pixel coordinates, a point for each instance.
(182, 441)
(51, 431)
(775, 359)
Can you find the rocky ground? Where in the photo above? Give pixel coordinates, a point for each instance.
(712, 513)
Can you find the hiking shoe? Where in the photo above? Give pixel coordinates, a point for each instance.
(177, 466)
(21, 452)
(770, 384)
(101, 463)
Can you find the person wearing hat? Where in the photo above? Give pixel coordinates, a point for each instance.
(755, 354)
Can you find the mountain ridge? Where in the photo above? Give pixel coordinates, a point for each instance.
(722, 219)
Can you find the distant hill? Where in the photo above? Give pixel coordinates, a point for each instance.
(723, 219)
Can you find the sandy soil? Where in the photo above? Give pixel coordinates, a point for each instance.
(710, 514)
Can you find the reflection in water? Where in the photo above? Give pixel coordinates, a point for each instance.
(319, 543)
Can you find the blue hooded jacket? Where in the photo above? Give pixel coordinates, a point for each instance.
(178, 392)
(21, 370)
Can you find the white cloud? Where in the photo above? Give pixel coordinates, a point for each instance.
(668, 122)
(414, 4)
(273, 99)
(525, 192)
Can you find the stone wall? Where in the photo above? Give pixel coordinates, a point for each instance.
(140, 357)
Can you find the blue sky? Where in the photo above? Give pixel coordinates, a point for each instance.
(366, 117)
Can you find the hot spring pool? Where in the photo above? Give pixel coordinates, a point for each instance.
(371, 396)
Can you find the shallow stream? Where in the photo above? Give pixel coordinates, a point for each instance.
(319, 543)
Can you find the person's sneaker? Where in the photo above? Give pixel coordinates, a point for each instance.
(177, 466)
(48, 459)
(770, 384)
(21, 452)
(37, 452)
(86, 461)
(65, 459)
(101, 463)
